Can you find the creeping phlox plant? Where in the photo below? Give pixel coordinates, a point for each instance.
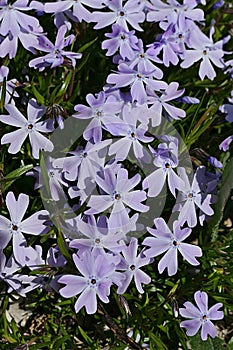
(116, 174)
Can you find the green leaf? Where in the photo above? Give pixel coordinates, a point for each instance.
(210, 344)
(8, 180)
(37, 94)
(84, 47)
(223, 195)
(3, 94)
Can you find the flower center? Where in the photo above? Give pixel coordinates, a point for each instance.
(190, 195)
(97, 241)
(175, 243)
(167, 165)
(139, 75)
(205, 52)
(121, 13)
(123, 37)
(117, 196)
(99, 114)
(180, 36)
(142, 55)
(93, 281)
(132, 267)
(204, 317)
(30, 126)
(133, 135)
(14, 227)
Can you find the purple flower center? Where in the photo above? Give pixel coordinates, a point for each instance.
(190, 195)
(99, 114)
(204, 52)
(167, 165)
(142, 55)
(97, 241)
(139, 75)
(121, 13)
(133, 135)
(204, 317)
(175, 243)
(14, 227)
(93, 281)
(123, 37)
(132, 267)
(180, 36)
(30, 126)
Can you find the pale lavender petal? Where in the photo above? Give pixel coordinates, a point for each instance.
(214, 313)
(5, 235)
(39, 142)
(208, 328)
(189, 252)
(169, 261)
(34, 225)
(99, 204)
(133, 199)
(17, 208)
(87, 299)
(201, 299)
(192, 326)
(157, 246)
(74, 285)
(190, 311)
(16, 139)
(120, 148)
(154, 182)
(139, 278)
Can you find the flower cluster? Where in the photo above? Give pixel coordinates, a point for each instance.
(119, 166)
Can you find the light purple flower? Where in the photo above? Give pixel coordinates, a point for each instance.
(132, 134)
(78, 8)
(165, 159)
(160, 102)
(120, 39)
(165, 240)
(31, 127)
(97, 274)
(117, 193)
(14, 25)
(16, 226)
(131, 264)
(190, 198)
(225, 144)
(122, 14)
(102, 109)
(204, 49)
(84, 163)
(173, 12)
(137, 80)
(56, 55)
(201, 316)
(97, 235)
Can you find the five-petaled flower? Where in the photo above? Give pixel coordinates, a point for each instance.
(201, 316)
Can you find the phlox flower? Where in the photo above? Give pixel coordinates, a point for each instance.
(165, 240)
(137, 79)
(83, 163)
(14, 227)
(102, 110)
(96, 275)
(131, 264)
(200, 316)
(79, 9)
(132, 134)
(122, 14)
(160, 102)
(143, 60)
(173, 12)
(120, 39)
(204, 49)
(166, 160)
(190, 198)
(56, 55)
(96, 234)
(31, 127)
(14, 25)
(117, 193)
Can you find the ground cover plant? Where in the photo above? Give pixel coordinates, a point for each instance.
(116, 174)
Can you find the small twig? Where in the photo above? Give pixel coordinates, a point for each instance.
(118, 331)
